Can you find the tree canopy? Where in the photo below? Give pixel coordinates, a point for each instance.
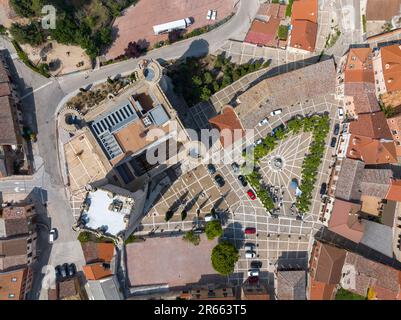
(213, 229)
(224, 257)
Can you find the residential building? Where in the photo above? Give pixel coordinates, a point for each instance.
(15, 284)
(325, 269)
(290, 285)
(209, 292)
(371, 140)
(394, 192)
(12, 145)
(394, 124)
(70, 289)
(98, 257)
(111, 211)
(254, 290)
(304, 21)
(380, 12)
(349, 180)
(345, 220)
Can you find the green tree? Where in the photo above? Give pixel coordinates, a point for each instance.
(31, 33)
(213, 229)
(205, 93)
(191, 237)
(208, 77)
(196, 80)
(215, 86)
(224, 257)
(3, 30)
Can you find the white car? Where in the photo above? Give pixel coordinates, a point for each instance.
(340, 113)
(209, 15)
(209, 217)
(263, 122)
(253, 273)
(276, 112)
(250, 254)
(259, 141)
(214, 15)
(52, 235)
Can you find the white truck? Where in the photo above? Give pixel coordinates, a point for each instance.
(170, 26)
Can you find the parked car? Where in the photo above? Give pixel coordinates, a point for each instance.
(336, 129)
(219, 180)
(250, 254)
(340, 113)
(263, 122)
(214, 15)
(323, 189)
(52, 235)
(259, 141)
(72, 269)
(64, 268)
(211, 168)
(209, 14)
(58, 272)
(210, 217)
(333, 142)
(253, 273)
(251, 194)
(299, 218)
(276, 112)
(198, 231)
(250, 230)
(243, 181)
(235, 167)
(256, 264)
(249, 246)
(280, 127)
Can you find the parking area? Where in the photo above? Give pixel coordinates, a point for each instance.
(136, 23)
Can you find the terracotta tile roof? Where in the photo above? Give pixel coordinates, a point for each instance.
(394, 124)
(291, 285)
(394, 192)
(98, 252)
(276, 10)
(371, 151)
(305, 10)
(359, 67)
(376, 182)
(364, 96)
(8, 122)
(16, 219)
(329, 264)
(263, 33)
(321, 290)
(349, 180)
(303, 35)
(391, 64)
(11, 284)
(96, 271)
(373, 125)
(382, 279)
(382, 10)
(229, 123)
(344, 220)
(13, 252)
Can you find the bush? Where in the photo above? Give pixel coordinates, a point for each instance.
(213, 229)
(224, 257)
(84, 236)
(24, 58)
(288, 11)
(282, 32)
(28, 34)
(191, 237)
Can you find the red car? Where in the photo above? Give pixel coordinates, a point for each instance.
(250, 230)
(251, 194)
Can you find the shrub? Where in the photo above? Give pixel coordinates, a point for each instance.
(224, 257)
(31, 33)
(282, 32)
(84, 236)
(191, 237)
(213, 229)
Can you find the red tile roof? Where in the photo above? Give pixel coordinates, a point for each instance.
(344, 220)
(394, 193)
(372, 125)
(228, 124)
(359, 67)
(305, 10)
(96, 271)
(303, 35)
(391, 63)
(321, 290)
(263, 33)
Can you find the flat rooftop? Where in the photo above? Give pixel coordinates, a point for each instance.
(170, 260)
(100, 213)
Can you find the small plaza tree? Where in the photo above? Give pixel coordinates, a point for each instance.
(224, 257)
(213, 229)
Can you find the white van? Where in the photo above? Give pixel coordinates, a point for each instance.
(209, 217)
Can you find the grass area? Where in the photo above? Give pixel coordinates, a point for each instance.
(343, 294)
(332, 38)
(86, 236)
(282, 32)
(197, 79)
(288, 11)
